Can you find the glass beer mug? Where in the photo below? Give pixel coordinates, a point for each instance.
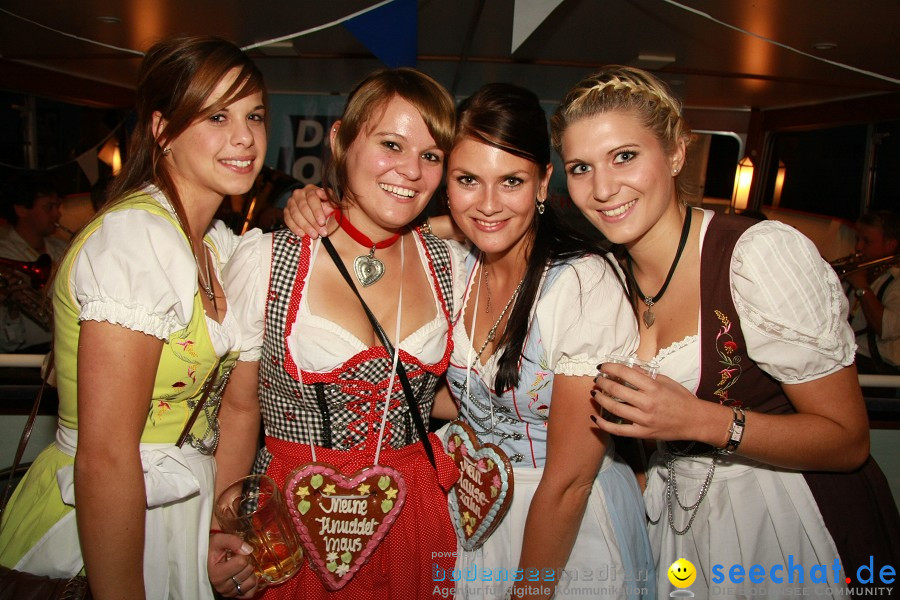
(253, 508)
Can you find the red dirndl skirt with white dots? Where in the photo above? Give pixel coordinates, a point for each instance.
(420, 541)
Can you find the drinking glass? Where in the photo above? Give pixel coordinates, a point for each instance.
(650, 368)
(254, 509)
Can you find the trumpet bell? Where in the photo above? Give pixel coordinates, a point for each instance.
(32, 301)
(38, 271)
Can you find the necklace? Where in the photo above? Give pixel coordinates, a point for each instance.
(488, 411)
(493, 330)
(366, 267)
(648, 315)
(205, 286)
(487, 287)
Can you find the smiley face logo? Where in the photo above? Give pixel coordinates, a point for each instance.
(682, 573)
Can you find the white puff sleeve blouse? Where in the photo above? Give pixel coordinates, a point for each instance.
(792, 308)
(137, 271)
(585, 316)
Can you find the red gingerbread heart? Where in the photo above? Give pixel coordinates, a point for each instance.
(481, 497)
(342, 518)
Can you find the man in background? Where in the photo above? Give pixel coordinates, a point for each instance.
(875, 294)
(31, 209)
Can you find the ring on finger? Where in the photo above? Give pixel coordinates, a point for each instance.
(237, 586)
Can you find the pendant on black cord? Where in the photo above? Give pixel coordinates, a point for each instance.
(648, 317)
(368, 269)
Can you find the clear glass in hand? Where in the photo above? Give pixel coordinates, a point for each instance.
(649, 368)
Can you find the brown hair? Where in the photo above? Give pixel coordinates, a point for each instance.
(886, 220)
(370, 98)
(618, 88)
(508, 117)
(176, 78)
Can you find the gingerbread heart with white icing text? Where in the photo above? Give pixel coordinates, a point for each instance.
(481, 497)
(342, 518)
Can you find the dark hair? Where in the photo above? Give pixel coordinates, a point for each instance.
(886, 220)
(176, 78)
(23, 191)
(511, 118)
(507, 117)
(368, 101)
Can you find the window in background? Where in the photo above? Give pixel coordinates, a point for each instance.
(886, 160)
(62, 134)
(823, 170)
(12, 140)
(708, 174)
(724, 154)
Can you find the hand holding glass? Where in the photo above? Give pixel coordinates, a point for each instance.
(649, 368)
(254, 509)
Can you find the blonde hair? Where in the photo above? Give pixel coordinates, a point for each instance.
(369, 100)
(619, 88)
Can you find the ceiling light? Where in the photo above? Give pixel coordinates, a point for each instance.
(283, 48)
(652, 61)
(109, 19)
(825, 46)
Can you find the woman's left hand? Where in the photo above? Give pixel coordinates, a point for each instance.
(308, 210)
(230, 570)
(659, 408)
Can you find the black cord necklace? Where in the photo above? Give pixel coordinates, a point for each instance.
(648, 316)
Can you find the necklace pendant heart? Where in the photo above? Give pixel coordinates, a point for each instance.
(649, 318)
(342, 518)
(368, 269)
(481, 497)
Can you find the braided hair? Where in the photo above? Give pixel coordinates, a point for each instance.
(618, 88)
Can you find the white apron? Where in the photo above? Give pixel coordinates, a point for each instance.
(179, 484)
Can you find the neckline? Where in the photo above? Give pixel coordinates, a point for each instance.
(346, 335)
(682, 242)
(359, 237)
(480, 361)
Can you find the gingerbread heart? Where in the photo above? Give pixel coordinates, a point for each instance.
(481, 497)
(342, 518)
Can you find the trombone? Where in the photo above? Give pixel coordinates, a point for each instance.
(854, 263)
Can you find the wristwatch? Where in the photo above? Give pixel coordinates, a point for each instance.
(736, 432)
(860, 292)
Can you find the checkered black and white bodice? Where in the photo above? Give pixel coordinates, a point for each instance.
(341, 409)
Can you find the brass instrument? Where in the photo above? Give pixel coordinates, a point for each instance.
(66, 229)
(854, 263)
(31, 300)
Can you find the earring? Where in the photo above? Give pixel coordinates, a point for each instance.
(675, 171)
(540, 206)
(167, 151)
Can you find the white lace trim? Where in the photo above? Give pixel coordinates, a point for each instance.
(675, 347)
(576, 366)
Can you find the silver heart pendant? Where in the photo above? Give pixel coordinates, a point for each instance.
(368, 269)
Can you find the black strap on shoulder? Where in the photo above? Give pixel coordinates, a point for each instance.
(382, 336)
